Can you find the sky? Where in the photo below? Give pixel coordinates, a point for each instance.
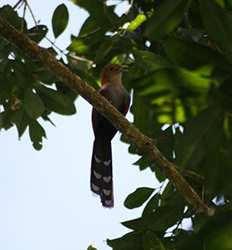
(45, 199)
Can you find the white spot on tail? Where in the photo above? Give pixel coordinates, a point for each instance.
(95, 187)
(107, 191)
(97, 159)
(109, 202)
(107, 163)
(107, 179)
(97, 175)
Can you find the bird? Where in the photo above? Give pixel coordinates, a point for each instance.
(101, 178)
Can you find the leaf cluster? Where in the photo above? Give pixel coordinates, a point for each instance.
(179, 57)
(29, 93)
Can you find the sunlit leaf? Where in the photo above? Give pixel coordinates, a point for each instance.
(139, 20)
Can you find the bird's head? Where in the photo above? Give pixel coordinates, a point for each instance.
(111, 74)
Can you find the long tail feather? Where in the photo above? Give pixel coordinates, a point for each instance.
(101, 181)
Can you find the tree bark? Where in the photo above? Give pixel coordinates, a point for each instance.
(73, 81)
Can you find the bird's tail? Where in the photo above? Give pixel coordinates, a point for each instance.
(101, 181)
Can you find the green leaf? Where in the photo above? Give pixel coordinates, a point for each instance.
(138, 21)
(200, 55)
(1, 120)
(130, 241)
(218, 23)
(17, 75)
(93, 42)
(79, 46)
(90, 27)
(45, 116)
(33, 104)
(152, 242)
(217, 169)
(111, 47)
(21, 121)
(149, 61)
(103, 15)
(5, 120)
(38, 32)
(143, 114)
(60, 19)
(13, 18)
(216, 231)
(200, 135)
(87, 45)
(166, 18)
(152, 204)
(163, 217)
(136, 224)
(44, 76)
(138, 197)
(5, 50)
(143, 163)
(36, 133)
(220, 239)
(91, 248)
(166, 142)
(56, 101)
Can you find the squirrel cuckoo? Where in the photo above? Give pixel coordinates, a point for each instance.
(101, 181)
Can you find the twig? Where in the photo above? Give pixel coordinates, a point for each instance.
(55, 46)
(30, 10)
(90, 33)
(24, 14)
(73, 81)
(17, 4)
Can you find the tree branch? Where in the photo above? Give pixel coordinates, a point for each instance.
(143, 143)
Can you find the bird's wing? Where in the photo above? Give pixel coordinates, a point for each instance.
(97, 118)
(126, 104)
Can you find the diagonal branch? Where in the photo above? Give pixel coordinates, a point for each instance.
(143, 143)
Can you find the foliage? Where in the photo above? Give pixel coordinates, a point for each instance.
(179, 57)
